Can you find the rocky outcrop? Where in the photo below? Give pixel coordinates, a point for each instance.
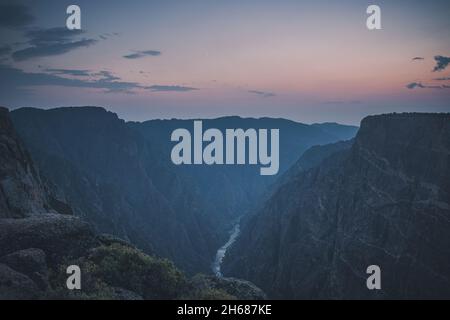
(240, 289)
(385, 202)
(35, 246)
(123, 294)
(30, 262)
(21, 192)
(58, 235)
(35, 252)
(16, 286)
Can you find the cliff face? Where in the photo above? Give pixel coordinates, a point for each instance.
(384, 201)
(21, 191)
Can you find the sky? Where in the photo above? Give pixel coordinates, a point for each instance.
(309, 61)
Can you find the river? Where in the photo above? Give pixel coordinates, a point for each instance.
(234, 233)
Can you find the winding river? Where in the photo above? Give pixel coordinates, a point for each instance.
(234, 233)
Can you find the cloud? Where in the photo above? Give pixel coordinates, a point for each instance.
(4, 50)
(50, 42)
(160, 88)
(106, 76)
(107, 35)
(51, 49)
(106, 80)
(15, 16)
(414, 85)
(141, 54)
(418, 58)
(441, 63)
(262, 93)
(70, 72)
(442, 79)
(51, 35)
(13, 81)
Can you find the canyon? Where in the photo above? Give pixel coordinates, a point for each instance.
(82, 186)
(118, 176)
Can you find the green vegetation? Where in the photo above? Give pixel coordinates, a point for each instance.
(110, 271)
(128, 268)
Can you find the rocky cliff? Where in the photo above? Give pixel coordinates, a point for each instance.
(21, 191)
(385, 201)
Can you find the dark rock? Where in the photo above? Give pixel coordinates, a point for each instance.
(123, 294)
(385, 201)
(16, 286)
(21, 191)
(241, 289)
(58, 235)
(31, 262)
(59, 206)
(108, 239)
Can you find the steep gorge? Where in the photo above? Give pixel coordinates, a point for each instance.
(118, 176)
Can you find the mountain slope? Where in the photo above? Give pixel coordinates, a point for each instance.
(384, 201)
(310, 159)
(106, 172)
(232, 191)
(21, 191)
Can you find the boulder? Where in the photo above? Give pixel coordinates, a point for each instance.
(31, 262)
(109, 239)
(124, 294)
(241, 289)
(16, 286)
(59, 236)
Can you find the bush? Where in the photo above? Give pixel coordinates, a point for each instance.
(119, 266)
(128, 268)
(209, 294)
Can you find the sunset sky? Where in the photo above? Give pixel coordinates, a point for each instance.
(310, 61)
